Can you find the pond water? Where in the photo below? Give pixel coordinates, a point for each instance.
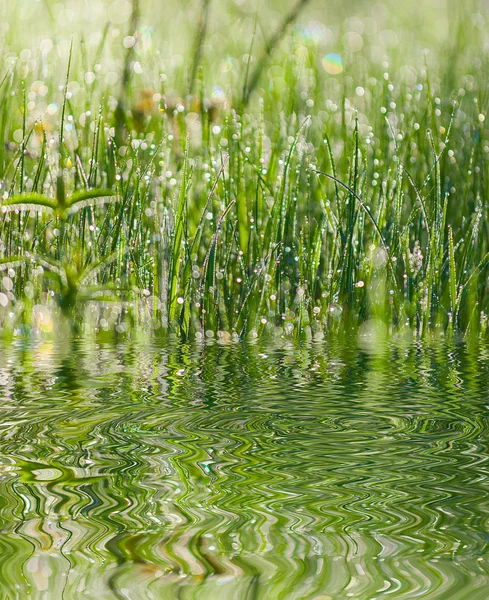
(256, 471)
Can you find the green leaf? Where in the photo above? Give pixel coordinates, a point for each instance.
(106, 293)
(94, 269)
(452, 273)
(177, 240)
(85, 195)
(11, 261)
(29, 202)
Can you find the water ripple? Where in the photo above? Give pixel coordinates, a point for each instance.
(276, 472)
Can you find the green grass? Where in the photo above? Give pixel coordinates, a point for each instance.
(289, 197)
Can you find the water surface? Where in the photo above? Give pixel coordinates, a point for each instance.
(273, 471)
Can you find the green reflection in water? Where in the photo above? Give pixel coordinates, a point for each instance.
(244, 472)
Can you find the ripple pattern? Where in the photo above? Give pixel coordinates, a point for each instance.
(320, 471)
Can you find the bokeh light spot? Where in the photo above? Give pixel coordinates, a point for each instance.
(333, 64)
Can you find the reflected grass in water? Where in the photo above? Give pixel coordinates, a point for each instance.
(249, 471)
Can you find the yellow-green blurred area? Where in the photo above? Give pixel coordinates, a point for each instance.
(346, 42)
